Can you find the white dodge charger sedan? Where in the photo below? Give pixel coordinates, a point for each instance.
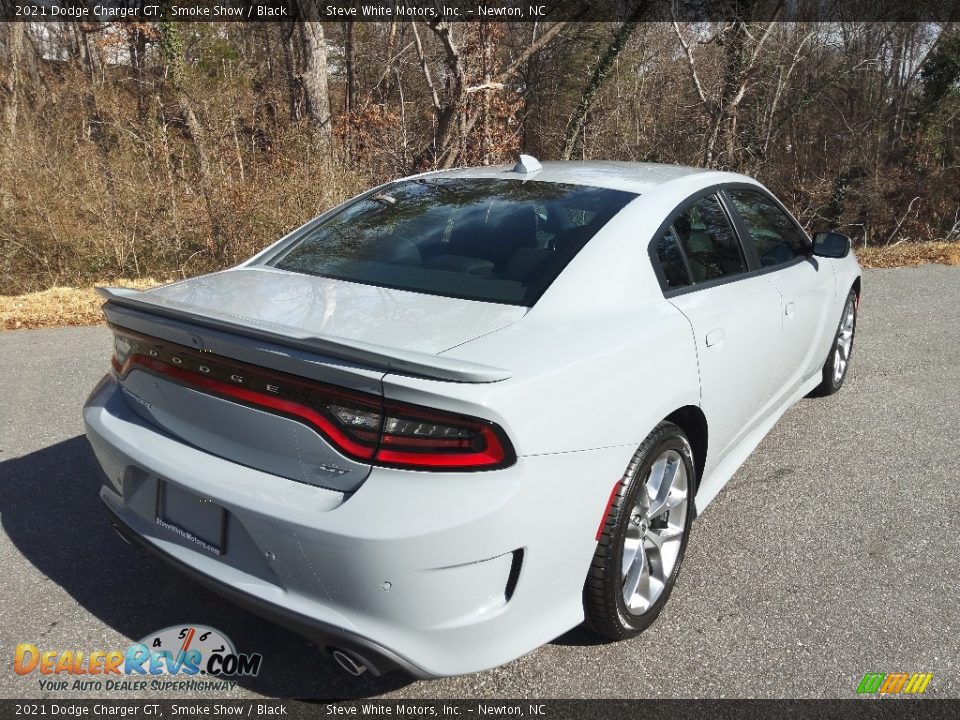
(466, 411)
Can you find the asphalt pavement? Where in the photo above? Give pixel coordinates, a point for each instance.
(834, 551)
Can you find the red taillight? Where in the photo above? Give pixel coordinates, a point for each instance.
(415, 437)
(361, 426)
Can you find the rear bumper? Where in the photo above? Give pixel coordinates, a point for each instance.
(380, 659)
(420, 571)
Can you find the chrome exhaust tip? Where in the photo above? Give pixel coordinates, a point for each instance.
(351, 663)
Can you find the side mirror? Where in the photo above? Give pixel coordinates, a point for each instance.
(831, 245)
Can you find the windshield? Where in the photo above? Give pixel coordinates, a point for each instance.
(493, 240)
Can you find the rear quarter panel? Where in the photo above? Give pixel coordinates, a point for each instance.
(596, 363)
(581, 384)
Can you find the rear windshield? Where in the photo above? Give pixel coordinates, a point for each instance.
(494, 240)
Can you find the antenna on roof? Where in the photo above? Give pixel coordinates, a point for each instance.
(528, 164)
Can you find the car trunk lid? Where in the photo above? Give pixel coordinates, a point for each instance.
(256, 381)
(331, 308)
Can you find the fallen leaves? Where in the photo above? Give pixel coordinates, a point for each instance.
(909, 254)
(58, 306)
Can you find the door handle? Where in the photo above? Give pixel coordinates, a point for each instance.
(715, 337)
(788, 310)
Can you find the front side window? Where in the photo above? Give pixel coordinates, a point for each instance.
(775, 235)
(481, 239)
(711, 246)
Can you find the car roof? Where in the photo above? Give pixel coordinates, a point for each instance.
(635, 177)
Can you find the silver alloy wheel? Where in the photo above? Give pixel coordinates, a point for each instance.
(654, 533)
(844, 342)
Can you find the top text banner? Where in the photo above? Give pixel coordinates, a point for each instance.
(434, 11)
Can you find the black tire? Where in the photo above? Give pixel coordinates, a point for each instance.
(830, 381)
(605, 608)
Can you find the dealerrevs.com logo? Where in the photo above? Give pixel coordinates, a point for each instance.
(894, 683)
(182, 657)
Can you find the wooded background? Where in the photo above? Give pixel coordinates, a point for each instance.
(170, 149)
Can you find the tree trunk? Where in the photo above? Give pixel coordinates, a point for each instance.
(290, 67)
(350, 91)
(448, 118)
(12, 34)
(314, 76)
(600, 70)
(386, 86)
(734, 45)
(11, 57)
(487, 76)
(137, 50)
(171, 48)
(350, 96)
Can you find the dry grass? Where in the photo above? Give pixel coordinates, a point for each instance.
(909, 254)
(60, 306)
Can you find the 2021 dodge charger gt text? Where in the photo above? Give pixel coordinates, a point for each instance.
(458, 415)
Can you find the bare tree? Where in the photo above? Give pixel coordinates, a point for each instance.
(11, 35)
(350, 90)
(171, 47)
(599, 74)
(294, 85)
(453, 121)
(722, 105)
(316, 90)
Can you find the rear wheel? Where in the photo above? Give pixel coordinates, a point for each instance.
(838, 361)
(644, 538)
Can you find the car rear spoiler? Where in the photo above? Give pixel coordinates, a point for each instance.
(119, 301)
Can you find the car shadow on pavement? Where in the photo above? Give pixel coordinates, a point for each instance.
(580, 636)
(51, 511)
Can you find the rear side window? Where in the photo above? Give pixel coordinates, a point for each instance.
(671, 260)
(711, 247)
(774, 234)
(482, 239)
